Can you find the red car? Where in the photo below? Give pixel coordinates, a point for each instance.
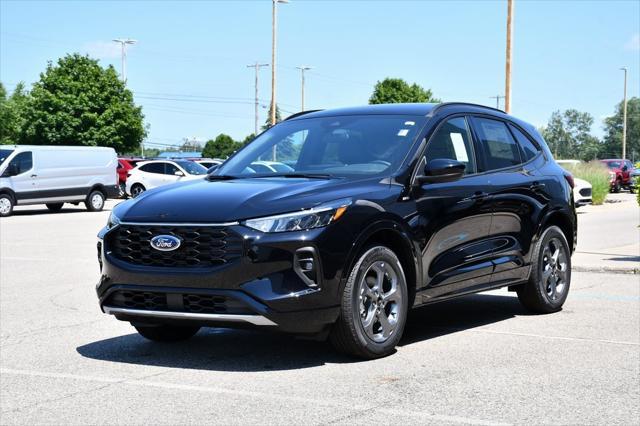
(124, 165)
(619, 174)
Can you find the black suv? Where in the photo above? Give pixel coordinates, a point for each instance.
(354, 217)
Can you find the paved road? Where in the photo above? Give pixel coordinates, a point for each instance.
(477, 360)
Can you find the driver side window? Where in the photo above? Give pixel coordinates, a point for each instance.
(452, 141)
(22, 162)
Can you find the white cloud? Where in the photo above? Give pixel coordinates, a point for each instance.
(103, 49)
(633, 43)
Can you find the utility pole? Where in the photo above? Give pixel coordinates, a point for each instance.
(302, 69)
(274, 30)
(123, 45)
(624, 116)
(257, 66)
(507, 82)
(497, 98)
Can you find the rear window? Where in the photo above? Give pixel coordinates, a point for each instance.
(153, 168)
(529, 149)
(499, 147)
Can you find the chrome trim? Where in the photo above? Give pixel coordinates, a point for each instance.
(179, 224)
(251, 319)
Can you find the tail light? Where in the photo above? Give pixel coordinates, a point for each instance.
(569, 178)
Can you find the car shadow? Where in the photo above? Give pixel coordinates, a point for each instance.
(67, 209)
(249, 351)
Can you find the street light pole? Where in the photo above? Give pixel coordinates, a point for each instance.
(257, 66)
(302, 69)
(274, 30)
(123, 42)
(507, 82)
(624, 116)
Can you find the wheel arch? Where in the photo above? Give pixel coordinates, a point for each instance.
(10, 193)
(99, 187)
(389, 234)
(563, 221)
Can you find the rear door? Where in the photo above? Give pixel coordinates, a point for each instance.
(455, 218)
(518, 194)
(152, 174)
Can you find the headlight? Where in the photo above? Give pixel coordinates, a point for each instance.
(316, 217)
(113, 221)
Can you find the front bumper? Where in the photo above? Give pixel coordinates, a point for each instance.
(264, 286)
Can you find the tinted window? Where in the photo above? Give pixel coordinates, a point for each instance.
(452, 141)
(529, 150)
(500, 149)
(23, 162)
(153, 168)
(170, 169)
(614, 164)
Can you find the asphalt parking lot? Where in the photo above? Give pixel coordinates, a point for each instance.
(477, 360)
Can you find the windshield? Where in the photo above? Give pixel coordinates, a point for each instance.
(614, 164)
(192, 168)
(343, 146)
(4, 154)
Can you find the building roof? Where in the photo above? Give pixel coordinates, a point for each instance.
(181, 154)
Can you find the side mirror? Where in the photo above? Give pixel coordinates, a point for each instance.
(11, 170)
(178, 173)
(441, 170)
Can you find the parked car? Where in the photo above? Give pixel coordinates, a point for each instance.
(124, 165)
(151, 174)
(208, 163)
(582, 190)
(389, 207)
(619, 174)
(54, 175)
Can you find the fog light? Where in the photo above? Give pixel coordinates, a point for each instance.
(306, 265)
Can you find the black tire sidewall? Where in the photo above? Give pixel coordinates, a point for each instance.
(371, 255)
(133, 192)
(540, 288)
(90, 205)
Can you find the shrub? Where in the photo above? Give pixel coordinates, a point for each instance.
(596, 174)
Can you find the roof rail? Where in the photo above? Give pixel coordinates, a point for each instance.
(298, 114)
(445, 104)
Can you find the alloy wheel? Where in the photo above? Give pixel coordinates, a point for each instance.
(5, 206)
(379, 301)
(554, 269)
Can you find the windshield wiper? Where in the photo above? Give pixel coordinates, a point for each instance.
(222, 177)
(298, 175)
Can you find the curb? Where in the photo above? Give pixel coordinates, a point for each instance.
(606, 269)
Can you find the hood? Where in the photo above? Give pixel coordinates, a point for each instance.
(203, 201)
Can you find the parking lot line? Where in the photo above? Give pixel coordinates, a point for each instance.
(423, 416)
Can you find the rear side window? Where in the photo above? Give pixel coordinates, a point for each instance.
(452, 141)
(153, 168)
(23, 162)
(529, 150)
(499, 147)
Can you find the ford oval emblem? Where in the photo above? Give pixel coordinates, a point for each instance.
(165, 242)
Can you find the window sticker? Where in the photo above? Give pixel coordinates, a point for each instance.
(403, 132)
(459, 148)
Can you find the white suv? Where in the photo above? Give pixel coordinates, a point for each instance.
(150, 174)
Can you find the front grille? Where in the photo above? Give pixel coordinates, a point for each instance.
(585, 192)
(201, 246)
(187, 302)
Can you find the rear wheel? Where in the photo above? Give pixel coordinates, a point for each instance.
(55, 207)
(550, 278)
(95, 201)
(374, 306)
(6, 205)
(137, 189)
(167, 333)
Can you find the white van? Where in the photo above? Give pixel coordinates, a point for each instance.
(54, 175)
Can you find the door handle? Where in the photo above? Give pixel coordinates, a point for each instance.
(34, 175)
(476, 196)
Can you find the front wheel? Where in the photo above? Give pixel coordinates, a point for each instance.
(616, 187)
(374, 306)
(167, 333)
(550, 278)
(6, 205)
(136, 190)
(95, 201)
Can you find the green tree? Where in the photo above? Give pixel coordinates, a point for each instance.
(568, 135)
(248, 139)
(12, 114)
(613, 130)
(396, 90)
(220, 147)
(267, 122)
(77, 102)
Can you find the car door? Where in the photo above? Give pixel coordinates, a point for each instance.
(152, 174)
(23, 176)
(518, 194)
(170, 171)
(454, 217)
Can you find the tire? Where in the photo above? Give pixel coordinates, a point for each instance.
(6, 205)
(616, 187)
(549, 281)
(137, 189)
(55, 207)
(364, 336)
(167, 333)
(95, 201)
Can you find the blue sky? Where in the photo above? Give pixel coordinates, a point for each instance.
(189, 73)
